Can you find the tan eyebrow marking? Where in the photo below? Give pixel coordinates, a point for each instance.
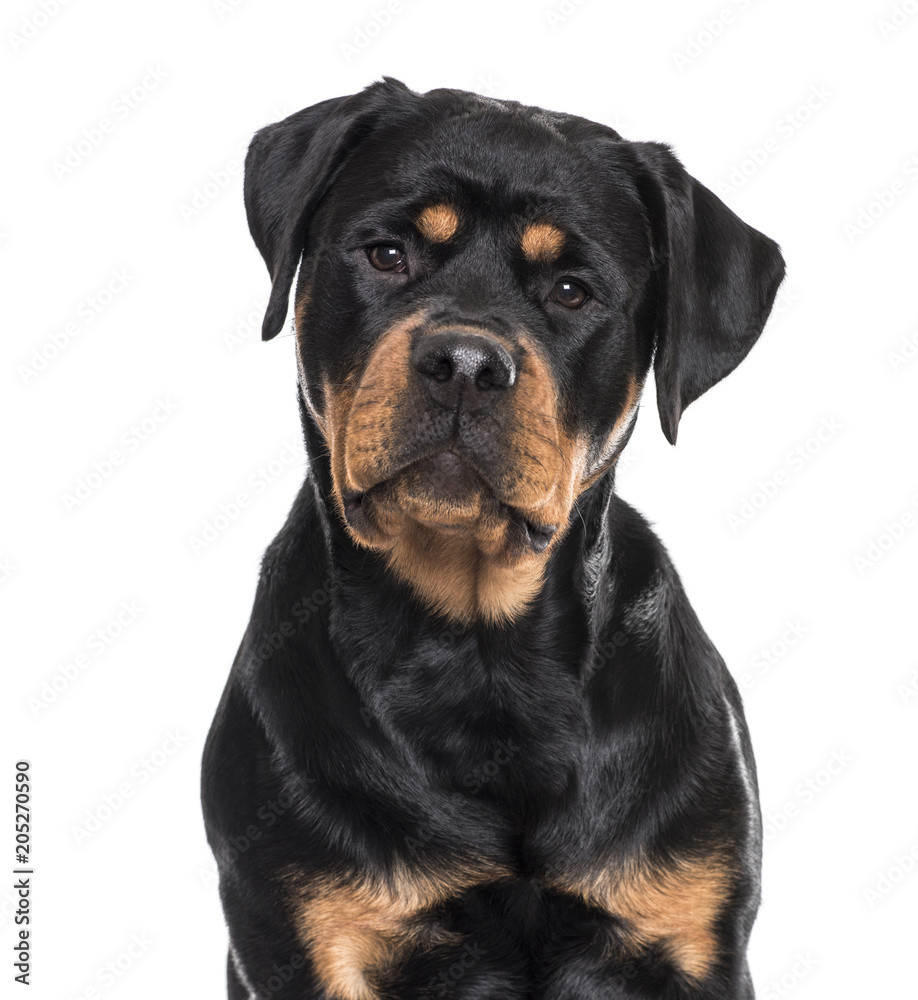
(438, 223)
(542, 241)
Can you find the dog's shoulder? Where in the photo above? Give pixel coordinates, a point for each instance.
(645, 625)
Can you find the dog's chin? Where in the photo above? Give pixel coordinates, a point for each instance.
(442, 493)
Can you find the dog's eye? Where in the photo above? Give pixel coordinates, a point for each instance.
(569, 293)
(385, 257)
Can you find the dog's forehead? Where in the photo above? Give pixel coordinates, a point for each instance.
(497, 143)
(495, 161)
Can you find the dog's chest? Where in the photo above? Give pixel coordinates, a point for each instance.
(504, 727)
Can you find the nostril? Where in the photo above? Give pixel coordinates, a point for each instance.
(442, 371)
(486, 380)
(436, 365)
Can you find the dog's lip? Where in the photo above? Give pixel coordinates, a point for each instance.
(454, 472)
(352, 500)
(536, 535)
(454, 463)
(539, 536)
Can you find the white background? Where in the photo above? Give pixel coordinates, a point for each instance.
(822, 95)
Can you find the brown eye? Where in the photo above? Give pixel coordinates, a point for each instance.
(569, 293)
(385, 257)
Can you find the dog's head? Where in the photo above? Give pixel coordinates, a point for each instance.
(483, 288)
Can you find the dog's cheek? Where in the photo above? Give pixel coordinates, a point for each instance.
(373, 439)
(535, 458)
(338, 400)
(547, 458)
(605, 449)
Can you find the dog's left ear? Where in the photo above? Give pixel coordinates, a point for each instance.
(289, 167)
(716, 282)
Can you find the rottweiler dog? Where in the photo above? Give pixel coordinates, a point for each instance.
(475, 743)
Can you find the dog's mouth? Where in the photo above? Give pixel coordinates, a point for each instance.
(447, 493)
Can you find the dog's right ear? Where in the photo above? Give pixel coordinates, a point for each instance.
(289, 167)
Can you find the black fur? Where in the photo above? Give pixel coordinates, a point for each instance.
(357, 726)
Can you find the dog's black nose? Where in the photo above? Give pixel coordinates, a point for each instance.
(461, 368)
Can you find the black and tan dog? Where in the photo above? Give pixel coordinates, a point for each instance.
(475, 743)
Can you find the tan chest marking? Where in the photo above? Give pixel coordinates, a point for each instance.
(457, 577)
(675, 907)
(357, 928)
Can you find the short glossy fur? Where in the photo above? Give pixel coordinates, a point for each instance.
(475, 743)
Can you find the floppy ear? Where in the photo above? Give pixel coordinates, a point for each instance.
(289, 167)
(717, 279)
